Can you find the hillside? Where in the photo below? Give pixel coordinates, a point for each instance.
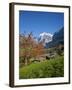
(47, 68)
(58, 38)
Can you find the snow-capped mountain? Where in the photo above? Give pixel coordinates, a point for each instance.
(45, 37)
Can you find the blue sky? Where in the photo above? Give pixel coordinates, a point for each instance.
(38, 22)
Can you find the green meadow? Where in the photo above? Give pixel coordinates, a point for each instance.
(45, 69)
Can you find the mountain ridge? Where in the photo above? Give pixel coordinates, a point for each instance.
(45, 37)
(58, 38)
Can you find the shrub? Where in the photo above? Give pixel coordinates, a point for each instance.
(51, 68)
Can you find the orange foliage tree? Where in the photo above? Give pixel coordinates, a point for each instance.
(30, 48)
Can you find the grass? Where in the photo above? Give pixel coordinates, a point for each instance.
(45, 69)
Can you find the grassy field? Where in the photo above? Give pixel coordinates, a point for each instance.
(48, 68)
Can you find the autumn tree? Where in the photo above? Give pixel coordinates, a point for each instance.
(38, 50)
(29, 47)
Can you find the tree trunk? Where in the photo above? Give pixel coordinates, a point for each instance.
(25, 61)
